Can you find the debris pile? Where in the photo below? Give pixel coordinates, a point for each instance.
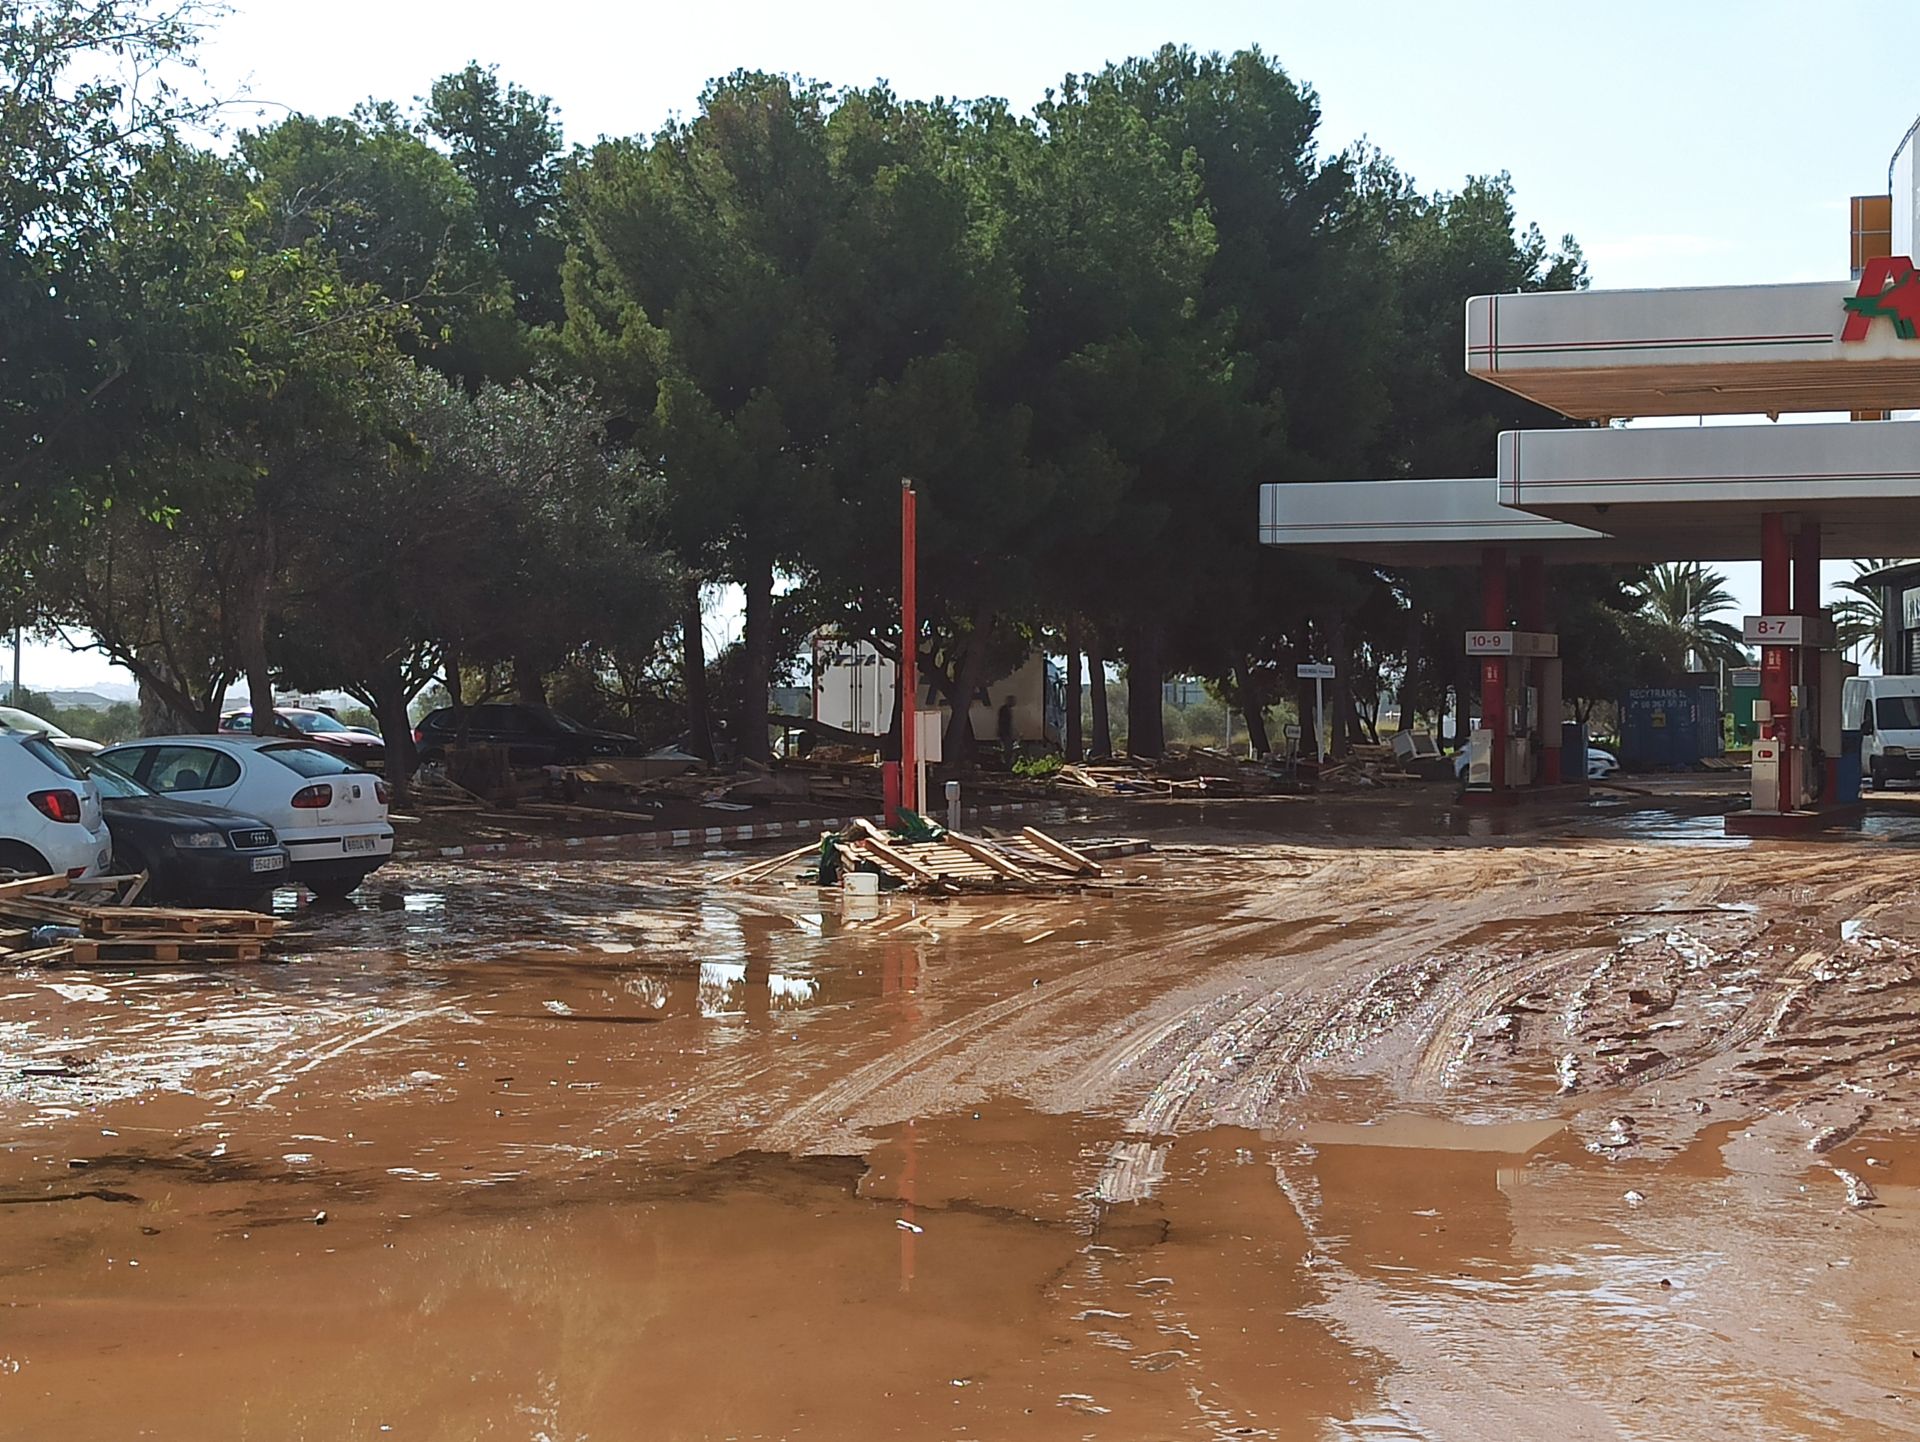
(51, 921)
(923, 856)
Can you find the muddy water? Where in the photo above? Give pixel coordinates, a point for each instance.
(1433, 1141)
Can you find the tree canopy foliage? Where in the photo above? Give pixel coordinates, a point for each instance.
(416, 393)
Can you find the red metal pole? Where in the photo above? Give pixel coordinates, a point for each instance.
(1493, 669)
(1776, 676)
(909, 650)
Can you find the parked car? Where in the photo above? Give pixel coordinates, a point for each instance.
(330, 815)
(50, 820)
(1600, 764)
(191, 852)
(355, 743)
(533, 735)
(14, 719)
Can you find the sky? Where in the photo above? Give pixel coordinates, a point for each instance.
(1680, 144)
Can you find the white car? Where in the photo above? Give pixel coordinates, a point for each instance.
(1600, 764)
(50, 819)
(331, 817)
(14, 719)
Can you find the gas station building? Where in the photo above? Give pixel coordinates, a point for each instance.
(1789, 496)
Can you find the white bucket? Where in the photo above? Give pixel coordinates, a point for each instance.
(861, 883)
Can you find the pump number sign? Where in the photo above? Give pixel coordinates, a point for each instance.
(1774, 630)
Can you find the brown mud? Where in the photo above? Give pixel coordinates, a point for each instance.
(1592, 1126)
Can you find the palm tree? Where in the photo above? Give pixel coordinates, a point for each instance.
(1860, 619)
(1683, 597)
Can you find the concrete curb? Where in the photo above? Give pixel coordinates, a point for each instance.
(688, 836)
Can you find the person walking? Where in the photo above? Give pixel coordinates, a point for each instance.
(1006, 732)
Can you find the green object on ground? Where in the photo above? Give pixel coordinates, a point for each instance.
(915, 827)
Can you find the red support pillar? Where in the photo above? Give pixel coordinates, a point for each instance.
(1776, 674)
(909, 673)
(1533, 617)
(1493, 669)
(1806, 603)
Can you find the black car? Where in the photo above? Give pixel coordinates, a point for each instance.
(533, 735)
(190, 852)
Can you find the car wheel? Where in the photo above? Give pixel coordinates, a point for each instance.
(20, 857)
(335, 888)
(128, 861)
(1877, 777)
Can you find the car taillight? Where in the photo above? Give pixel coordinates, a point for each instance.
(313, 798)
(381, 793)
(56, 805)
(418, 736)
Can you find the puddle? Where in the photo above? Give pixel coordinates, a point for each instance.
(1428, 1133)
(1296, 1141)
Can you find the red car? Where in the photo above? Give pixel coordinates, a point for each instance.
(364, 748)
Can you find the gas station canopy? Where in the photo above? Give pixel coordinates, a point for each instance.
(1699, 492)
(1416, 522)
(1721, 350)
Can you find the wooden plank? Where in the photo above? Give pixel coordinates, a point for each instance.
(761, 868)
(45, 956)
(32, 886)
(1060, 849)
(873, 839)
(987, 856)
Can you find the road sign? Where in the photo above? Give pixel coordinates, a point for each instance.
(1513, 643)
(1314, 671)
(1774, 630)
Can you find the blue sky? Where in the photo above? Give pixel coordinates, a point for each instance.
(1689, 143)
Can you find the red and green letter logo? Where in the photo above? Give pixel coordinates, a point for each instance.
(1889, 287)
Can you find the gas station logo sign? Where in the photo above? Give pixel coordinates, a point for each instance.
(1889, 288)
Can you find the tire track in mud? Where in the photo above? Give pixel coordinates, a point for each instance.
(1339, 1004)
(799, 1126)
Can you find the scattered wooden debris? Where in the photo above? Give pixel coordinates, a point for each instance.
(925, 857)
(113, 931)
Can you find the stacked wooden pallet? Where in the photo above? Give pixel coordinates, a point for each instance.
(116, 932)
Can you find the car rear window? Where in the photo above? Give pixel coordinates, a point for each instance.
(308, 760)
(51, 757)
(114, 782)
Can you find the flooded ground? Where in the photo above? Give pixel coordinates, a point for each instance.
(1593, 1126)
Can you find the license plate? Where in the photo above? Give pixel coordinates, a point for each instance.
(269, 863)
(359, 843)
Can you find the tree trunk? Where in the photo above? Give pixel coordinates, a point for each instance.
(1413, 669)
(1146, 673)
(957, 746)
(1252, 709)
(451, 666)
(530, 685)
(757, 659)
(389, 692)
(1072, 742)
(252, 637)
(165, 708)
(1097, 679)
(693, 670)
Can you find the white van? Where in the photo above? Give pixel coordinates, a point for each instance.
(1885, 710)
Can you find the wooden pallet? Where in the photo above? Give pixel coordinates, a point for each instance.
(147, 922)
(167, 951)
